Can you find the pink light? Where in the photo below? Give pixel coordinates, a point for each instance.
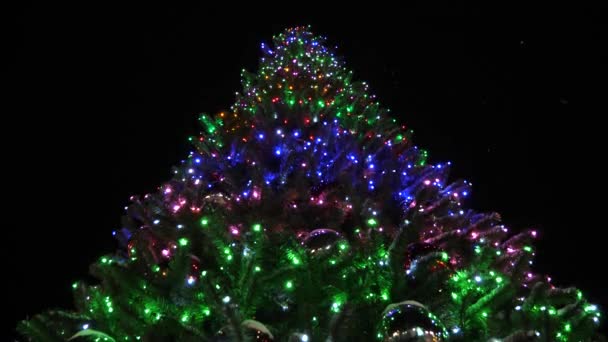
(255, 194)
(234, 231)
(427, 182)
(510, 250)
(534, 233)
(176, 207)
(529, 275)
(474, 235)
(167, 190)
(165, 253)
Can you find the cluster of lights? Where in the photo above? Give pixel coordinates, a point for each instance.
(302, 114)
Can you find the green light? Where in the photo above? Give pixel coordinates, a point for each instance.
(499, 280)
(289, 284)
(147, 311)
(454, 296)
(552, 312)
(257, 269)
(399, 137)
(590, 308)
(384, 296)
(343, 246)
(484, 314)
(295, 261)
(204, 221)
(321, 103)
(567, 327)
(183, 242)
(75, 285)
(104, 260)
(332, 262)
(527, 248)
(372, 222)
(156, 268)
(206, 312)
(257, 227)
(184, 318)
(444, 256)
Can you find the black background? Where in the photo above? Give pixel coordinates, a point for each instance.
(102, 99)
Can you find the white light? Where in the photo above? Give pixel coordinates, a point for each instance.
(304, 338)
(156, 221)
(478, 279)
(518, 307)
(455, 330)
(85, 326)
(191, 280)
(226, 299)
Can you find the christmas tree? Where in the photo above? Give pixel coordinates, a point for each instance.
(305, 213)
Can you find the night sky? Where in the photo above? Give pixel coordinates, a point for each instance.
(105, 98)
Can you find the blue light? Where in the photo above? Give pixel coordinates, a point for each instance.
(261, 136)
(371, 166)
(277, 151)
(197, 160)
(296, 134)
